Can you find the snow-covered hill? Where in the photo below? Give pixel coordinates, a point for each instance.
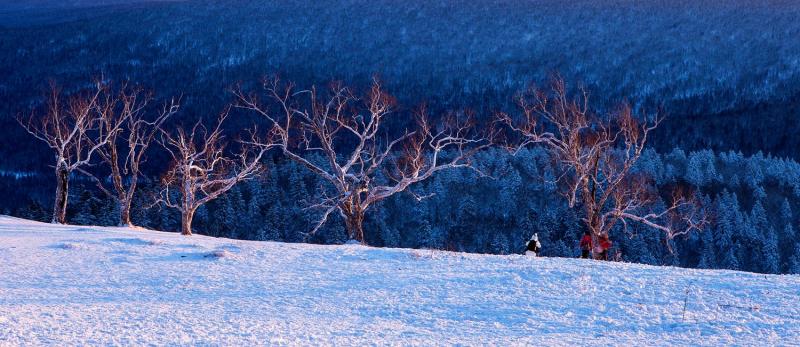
(101, 286)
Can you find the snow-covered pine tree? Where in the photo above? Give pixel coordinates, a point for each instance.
(754, 238)
(787, 237)
(708, 258)
(33, 210)
(87, 209)
(701, 169)
(794, 260)
(675, 164)
(729, 222)
(770, 258)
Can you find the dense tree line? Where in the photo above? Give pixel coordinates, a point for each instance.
(361, 161)
(476, 197)
(753, 201)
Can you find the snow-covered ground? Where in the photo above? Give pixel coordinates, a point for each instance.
(113, 286)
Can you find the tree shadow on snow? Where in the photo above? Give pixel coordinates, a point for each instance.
(134, 241)
(68, 245)
(197, 256)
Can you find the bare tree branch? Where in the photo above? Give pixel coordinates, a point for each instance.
(201, 170)
(71, 127)
(597, 154)
(122, 114)
(347, 131)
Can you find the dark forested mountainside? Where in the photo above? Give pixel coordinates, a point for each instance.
(718, 67)
(16, 5)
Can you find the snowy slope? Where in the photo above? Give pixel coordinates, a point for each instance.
(101, 286)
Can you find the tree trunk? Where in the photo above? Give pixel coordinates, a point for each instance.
(125, 213)
(62, 191)
(354, 223)
(186, 223)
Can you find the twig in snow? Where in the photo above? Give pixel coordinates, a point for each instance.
(685, 302)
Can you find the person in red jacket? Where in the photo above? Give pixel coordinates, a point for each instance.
(586, 245)
(603, 245)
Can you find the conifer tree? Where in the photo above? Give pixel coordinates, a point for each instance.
(771, 256)
(794, 260)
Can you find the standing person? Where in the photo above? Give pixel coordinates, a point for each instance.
(603, 245)
(534, 246)
(586, 245)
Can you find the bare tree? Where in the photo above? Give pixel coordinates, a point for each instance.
(71, 128)
(597, 154)
(347, 131)
(124, 151)
(201, 170)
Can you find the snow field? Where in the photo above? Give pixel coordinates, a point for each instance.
(72, 285)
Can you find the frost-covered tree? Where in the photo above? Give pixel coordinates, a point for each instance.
(754, 173)
(770, 257)
(122, 115)
(70, 126)
(201, 170)
(707, 255)
(794, 260)
(348, 132)
(597, 154)
(227, 215)
(787, 217)
(676, 164)
(754, 235)
(701, 169)
(89, 209)
(729, 223)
